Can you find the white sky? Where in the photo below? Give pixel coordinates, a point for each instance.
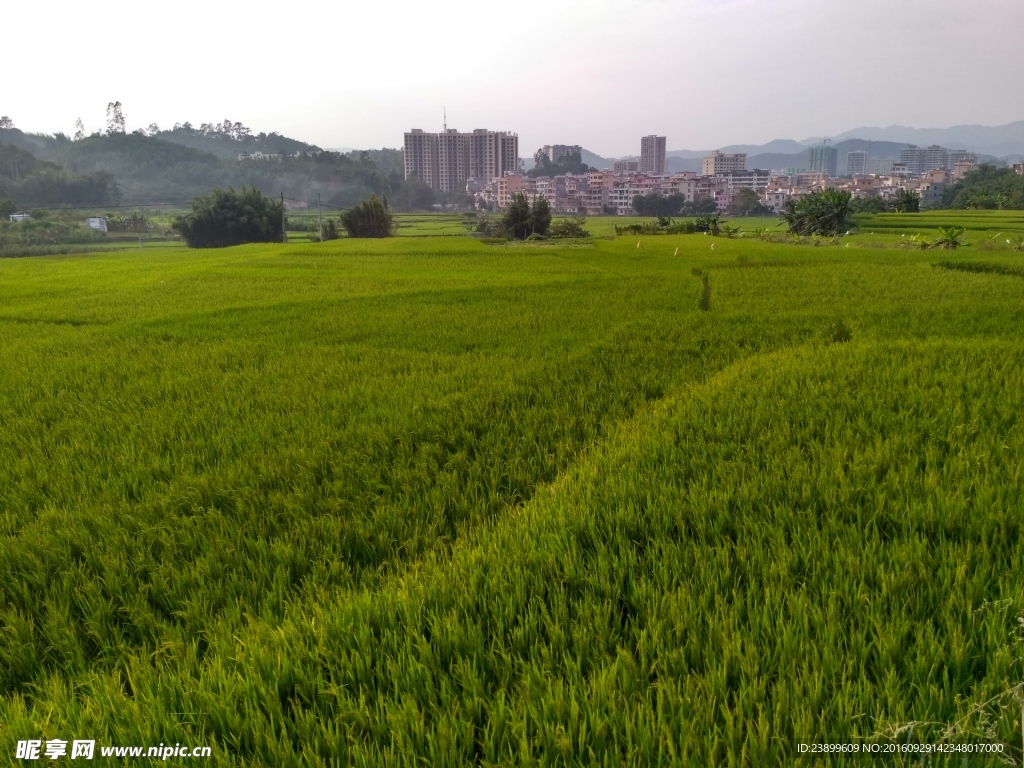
(601, 73)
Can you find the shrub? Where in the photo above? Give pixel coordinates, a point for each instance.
(226, 217)
(572, 227)
(950, 238)
(370, 218)
(708, 223)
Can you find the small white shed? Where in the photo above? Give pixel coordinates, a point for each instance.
(19, 216)
(96, 222)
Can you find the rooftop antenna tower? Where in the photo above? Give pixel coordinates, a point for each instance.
(446, 119)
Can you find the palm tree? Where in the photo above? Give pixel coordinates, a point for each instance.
(906, 201)
(819, 213)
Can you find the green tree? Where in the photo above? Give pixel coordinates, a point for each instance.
(746, 202)
(571, 163)
(906, 201)
(517, 221)
(819, 213)
(370, 218)
(226, 217)
(987, 187)
(6, 123)
(703, 206)
(115, 117)
(868, 205)
(540, 216)
(655, 204)
(418, 195)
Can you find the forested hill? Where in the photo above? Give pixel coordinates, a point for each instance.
(227, 140)
(161, 167)
(25, 180)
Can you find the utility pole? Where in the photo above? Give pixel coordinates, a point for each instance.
(284, 231)
(320, 208)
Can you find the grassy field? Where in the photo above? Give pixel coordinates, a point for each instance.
(428, 501)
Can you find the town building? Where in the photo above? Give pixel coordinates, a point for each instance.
(753, 179)
(962, 168)
(652, 154)
(775, 199)
(20, 216)
(856, 162)
(823, 159)
(625, 166)
(902, 169)
(931, 191)
(717, 163)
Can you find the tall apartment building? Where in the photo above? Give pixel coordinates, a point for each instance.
(556, 152)
(919, 160)
(717, 164)
(856, 162)
(448, 159)
(824, 158)
(652, 154)
(626, 166)
(452, 161)
(961, 156)
(420, 150)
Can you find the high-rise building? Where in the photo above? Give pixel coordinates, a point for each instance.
(716, 163)
(961, 156)
(448, 159)
(652, 154)
(856, 162)
(824, 158)
(420, 150)
(928, 159)
(452, 161)
(626, 166)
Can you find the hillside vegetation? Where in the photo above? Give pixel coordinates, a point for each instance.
(175, 166)
(433, 501)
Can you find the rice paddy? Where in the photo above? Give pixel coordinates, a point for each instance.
(429, 501)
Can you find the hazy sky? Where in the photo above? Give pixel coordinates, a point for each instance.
(601, 73)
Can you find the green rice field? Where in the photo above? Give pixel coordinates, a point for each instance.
(428, 501)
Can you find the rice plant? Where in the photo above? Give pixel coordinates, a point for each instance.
(430, 501)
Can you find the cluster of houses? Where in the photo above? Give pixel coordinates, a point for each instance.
(722, 178)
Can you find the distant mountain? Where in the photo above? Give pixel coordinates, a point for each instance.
(996, 140)
(779, 146)
(675, 164)
(594, 161)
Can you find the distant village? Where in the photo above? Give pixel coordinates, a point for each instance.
(485, 165)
